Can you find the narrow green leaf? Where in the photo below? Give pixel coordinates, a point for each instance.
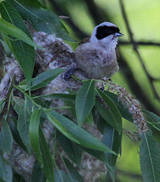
(61, 176)
(155, 118)
(37, 174)
(85, 100)
(6, 48)
(153, 122)
(15, 134)
(89, 119)
(44, 78)
(71, 149)
(8, 173)
(71, 110)
(5, 170)
(7, 40)
(5, 137)
(23, 123)
(98, 120)
(8, 28)
(73, 173)
(2, 169)
(48, 163)
(122, 109)
(60, 126)
(41, 18)
(34, 134)
(112, 139)
(69, 97)
(18, 103)
(150, 158)
(23, 52)
(111, 114)
(42, 103)
(83, 137)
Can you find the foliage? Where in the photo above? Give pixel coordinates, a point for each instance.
(32, 111)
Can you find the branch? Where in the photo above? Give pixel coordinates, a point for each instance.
(135, 48)
(135, 86)
(61, 11)
(140, 43)
(96, 12)
(129, 174)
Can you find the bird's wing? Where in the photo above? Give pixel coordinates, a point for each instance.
(85, 40)
(117, 54)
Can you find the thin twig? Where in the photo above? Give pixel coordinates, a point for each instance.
(135, 47)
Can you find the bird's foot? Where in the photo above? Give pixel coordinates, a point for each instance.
(104, 83)
(102, 87)
(68, 73)
(107, 79)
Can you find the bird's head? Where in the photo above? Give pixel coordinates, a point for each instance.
(105, 34)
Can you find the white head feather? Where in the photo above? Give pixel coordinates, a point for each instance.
(110, 40)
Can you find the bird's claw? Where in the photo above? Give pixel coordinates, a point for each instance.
(68, 73)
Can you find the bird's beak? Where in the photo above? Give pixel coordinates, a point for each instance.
(118, 34)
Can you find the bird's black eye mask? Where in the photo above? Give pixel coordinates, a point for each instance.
(104, 31)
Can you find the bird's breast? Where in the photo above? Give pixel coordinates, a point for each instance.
(96, 61)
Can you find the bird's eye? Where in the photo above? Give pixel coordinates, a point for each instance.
(108, 31)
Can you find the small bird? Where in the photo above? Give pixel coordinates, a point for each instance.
(97, 56)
